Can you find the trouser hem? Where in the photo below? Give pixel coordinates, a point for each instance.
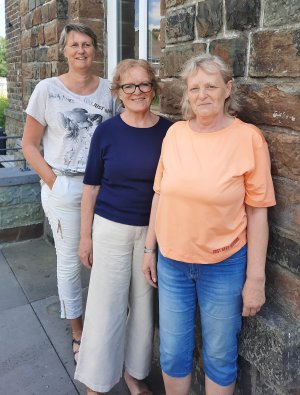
(96, 387)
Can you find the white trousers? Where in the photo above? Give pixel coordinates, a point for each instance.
(118, 325)
(62, 208)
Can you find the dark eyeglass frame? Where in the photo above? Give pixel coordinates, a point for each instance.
(149, 88)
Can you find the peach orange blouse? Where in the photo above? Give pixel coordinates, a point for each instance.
(204, 180)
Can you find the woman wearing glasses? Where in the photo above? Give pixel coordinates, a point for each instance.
(116, 206)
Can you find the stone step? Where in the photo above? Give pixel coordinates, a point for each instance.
(271, 342)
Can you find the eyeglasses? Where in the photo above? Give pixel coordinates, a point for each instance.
(144, 87)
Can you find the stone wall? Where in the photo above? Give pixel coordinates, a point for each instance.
(261, 40)
(21, 213)
(14, 75)
(32, 30)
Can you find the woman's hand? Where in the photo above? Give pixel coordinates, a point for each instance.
(253, 296)
(149, 269)
(52, 181)
(149, 261)
(31, 141)
(85, 252)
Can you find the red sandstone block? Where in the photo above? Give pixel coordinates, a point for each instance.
(270, 103)
(37, 16)
(91, 9)
(275, 53)
(51, 32)
(24, 7)
(163, 33)
(284, 288)
(25, 39)
(170, 97)
(286, 214)
(284, 148)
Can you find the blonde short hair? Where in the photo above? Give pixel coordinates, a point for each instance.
(127, 64)
(210, 64)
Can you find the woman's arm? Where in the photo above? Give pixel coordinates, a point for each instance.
(149, 261)
(257, 243)
(32, 136)
(85, 251)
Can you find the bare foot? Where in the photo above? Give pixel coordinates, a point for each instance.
(135, 386)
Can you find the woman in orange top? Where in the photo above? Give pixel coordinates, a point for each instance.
(209, 216)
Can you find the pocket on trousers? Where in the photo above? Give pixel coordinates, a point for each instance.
(55, 185)
(45, 191)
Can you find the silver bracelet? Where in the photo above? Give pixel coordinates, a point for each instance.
(149, 250)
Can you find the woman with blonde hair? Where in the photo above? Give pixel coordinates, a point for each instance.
(63, 112)
(116, 206)
(209, 217)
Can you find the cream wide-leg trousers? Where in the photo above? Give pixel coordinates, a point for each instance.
(118, 325)
(62, 208)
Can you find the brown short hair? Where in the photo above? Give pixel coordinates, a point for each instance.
(76, 27)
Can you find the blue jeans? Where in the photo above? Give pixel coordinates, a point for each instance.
(217, 288)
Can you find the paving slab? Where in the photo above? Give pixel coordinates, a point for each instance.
(59, 334)
(29, 364)
(11, 294)
(58, 331)
(37, 357)
(34, 265)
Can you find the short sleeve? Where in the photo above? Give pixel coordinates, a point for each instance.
(36, 107)
(94, 167)
(258, 181)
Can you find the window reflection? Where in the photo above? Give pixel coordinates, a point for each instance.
(154, 50)
(128, 31)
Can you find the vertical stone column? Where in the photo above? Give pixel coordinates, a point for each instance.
(14, 118)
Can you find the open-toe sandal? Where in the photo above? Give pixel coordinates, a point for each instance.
(75, 352)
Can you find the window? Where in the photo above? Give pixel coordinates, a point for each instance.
(133, 28)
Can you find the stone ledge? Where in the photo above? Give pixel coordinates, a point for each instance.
(271, 342)
(21, 233)
(15, 176)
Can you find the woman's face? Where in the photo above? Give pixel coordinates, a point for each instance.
(79, 51)
(139, 100)
(207, 93)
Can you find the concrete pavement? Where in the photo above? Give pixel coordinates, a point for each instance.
(35, 344)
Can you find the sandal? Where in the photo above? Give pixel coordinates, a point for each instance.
(135, 386)
(78, 342)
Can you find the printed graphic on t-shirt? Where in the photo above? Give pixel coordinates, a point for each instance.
(79, 125)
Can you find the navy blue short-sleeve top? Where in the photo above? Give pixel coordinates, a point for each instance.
(123, 160)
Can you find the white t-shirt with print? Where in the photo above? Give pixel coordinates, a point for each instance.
(70, 120)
